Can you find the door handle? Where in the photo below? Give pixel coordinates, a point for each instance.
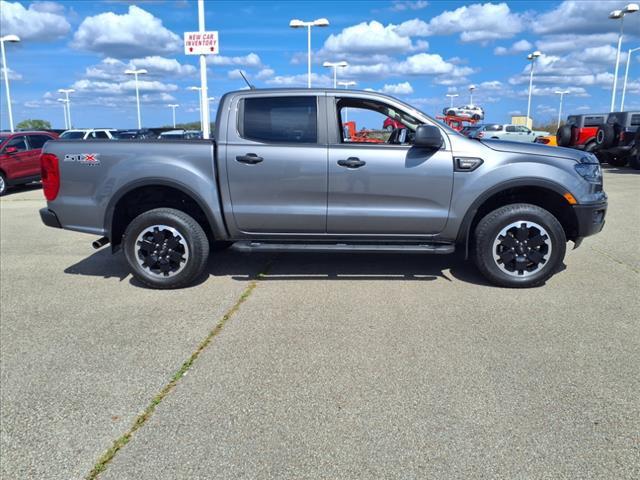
(352, 162)
(250, 158)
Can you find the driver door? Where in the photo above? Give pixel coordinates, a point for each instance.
(379, 184)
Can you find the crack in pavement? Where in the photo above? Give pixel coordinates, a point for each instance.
(616, 260)
(102, 463)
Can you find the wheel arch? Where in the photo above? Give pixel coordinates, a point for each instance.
(543, 193)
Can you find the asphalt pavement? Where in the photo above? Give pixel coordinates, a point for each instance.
(318, 366)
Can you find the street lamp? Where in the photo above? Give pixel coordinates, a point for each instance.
(562, 93)
(64, 107)
(619, 15)
(66, 92)
(471, 89)
(346, 84)
(532, 58)
(173, 107)
(11, 39)
(452, 96)
(335, 66)
(135, 73)
(320, 22)
(626, 75)
(199, 90)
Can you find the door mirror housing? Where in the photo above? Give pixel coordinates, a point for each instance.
(428, 136)
(11, 150)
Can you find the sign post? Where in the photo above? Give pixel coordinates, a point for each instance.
(202, 43)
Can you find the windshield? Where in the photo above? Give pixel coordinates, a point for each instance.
(73, 135)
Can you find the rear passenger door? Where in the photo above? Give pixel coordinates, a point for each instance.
(276, 164)
(32, 162)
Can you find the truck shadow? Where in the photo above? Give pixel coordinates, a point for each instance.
(303, 266)
(620, 170)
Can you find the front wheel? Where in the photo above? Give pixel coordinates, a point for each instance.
(3, 184)
(519, 245)
(166, 248)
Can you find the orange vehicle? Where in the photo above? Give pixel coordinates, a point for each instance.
(362, 136)
(456, 122)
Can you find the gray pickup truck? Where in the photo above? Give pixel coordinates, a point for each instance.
(284, 174)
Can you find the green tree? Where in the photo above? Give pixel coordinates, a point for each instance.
(34, 124)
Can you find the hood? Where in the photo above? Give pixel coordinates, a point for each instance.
(534, 149)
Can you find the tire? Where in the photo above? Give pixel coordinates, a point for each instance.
(617, 161)
(634, 160)
(498, 234)
(451, 112)
(175, 234)
(475, 117)
(563, 136)
(590, 147)
(606, 135)
(3, 184)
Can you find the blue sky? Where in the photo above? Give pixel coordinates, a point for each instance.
(418, 51)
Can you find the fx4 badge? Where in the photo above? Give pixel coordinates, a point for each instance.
(83, 158)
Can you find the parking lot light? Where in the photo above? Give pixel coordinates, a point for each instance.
(562, 93)
(626, 76)
(199, 90)
(335, 66)
(452, 96)
(173, 107)
(135, 73)
(532, 58)
(320, 22)
(66, 92)
(5, 68)
(64, 107)
(619, 15)
(471, 89)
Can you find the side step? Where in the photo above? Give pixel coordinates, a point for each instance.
(317, 247)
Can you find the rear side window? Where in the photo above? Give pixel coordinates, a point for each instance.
(280, 120)
(593, 121)
(17, 142)
(493, 128)
(635, 120)
(73, 135)
(511, 128)
(99, 135)
(38, 141)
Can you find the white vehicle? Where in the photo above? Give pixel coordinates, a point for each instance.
(473, 112)
(90, 134)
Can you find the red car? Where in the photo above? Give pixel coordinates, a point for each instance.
(20, 157)
(580, 131)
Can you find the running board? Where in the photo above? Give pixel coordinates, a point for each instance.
(254, 246)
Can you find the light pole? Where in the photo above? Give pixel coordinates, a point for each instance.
(335, 66)
(173, 107)
(626, 75)
(471, 89)
(5, 68)
(562, 93)
(532, 58)
(320, 22)
(452, 96)
(64, 107)
(204, 104)
(135, 73)
(66, 92)
(199, 90)
(619, 15)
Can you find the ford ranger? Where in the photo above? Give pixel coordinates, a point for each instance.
(282, 175)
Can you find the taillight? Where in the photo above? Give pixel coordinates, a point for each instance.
(480, 134)
(50, 171)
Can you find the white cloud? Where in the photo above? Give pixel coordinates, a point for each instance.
(12, 74)
(133, 34)
(113, 69)
(412, 28)
(120, 88)
(565, 43)
(40, 22)
(478, 22)
(300, 80)
(403, 5)
(366, 38)
(403, 88)
(576, 16)
(519, 47)
(265, 73)
(251, 60)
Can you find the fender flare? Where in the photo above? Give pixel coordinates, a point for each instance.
(215, 218)
(464, 232)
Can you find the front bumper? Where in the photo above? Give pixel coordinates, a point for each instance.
(590, 218)
(49, 218)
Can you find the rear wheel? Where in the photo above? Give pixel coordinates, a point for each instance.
(165, 248)
(3, 184)
(519, 245)
(606, 135)
(563, 136)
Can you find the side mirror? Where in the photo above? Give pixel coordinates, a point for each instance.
(428, 136)
(11, 150)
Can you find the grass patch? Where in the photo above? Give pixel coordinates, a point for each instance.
(106, 457)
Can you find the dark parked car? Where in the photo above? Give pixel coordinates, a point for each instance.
(142, 134)
(618, 140)
(580, 131)
(20, 157)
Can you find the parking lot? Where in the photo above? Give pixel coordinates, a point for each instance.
(318, 366)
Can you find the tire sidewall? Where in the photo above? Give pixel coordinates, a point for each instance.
(187, 227)
(491, 225)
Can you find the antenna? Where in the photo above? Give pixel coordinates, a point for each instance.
(246, 81)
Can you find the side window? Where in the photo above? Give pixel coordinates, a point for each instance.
(372, 122)
(635, 120)
(510, 128)
(280, 119)
(524, 129)
(99, 135)
(36, 142)
(17, 142)
(593, 121)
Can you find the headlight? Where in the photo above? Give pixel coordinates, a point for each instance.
(591, 172)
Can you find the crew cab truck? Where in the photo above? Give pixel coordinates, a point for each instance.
(280, 176)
